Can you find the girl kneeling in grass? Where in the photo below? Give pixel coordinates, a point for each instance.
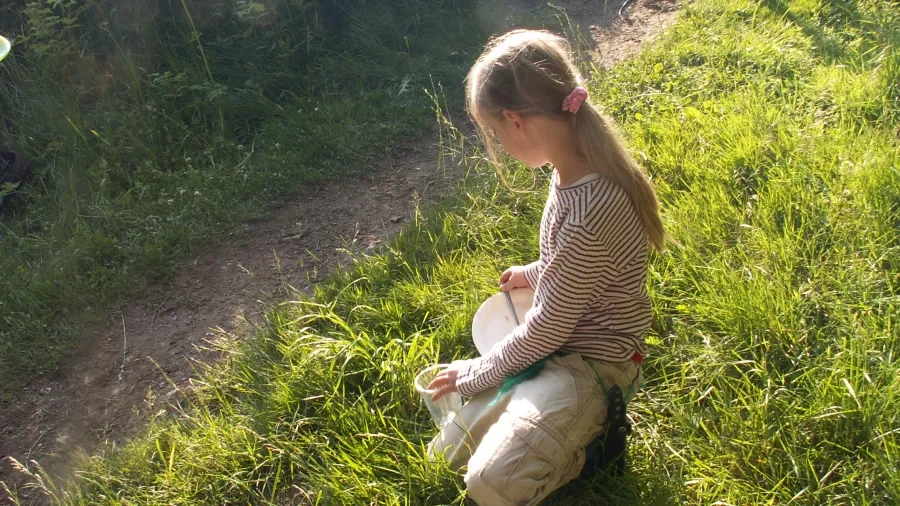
(537, 399)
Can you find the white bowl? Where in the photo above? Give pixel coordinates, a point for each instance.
(4, 47)
(493, 320)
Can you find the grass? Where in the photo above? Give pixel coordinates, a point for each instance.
(770, 131)
(154, 126)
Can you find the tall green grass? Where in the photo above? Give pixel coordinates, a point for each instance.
(769, 129)
(153, 126)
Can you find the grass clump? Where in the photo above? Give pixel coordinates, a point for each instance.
(774, 351)
(153, 126)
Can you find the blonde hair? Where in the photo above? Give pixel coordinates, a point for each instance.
(532, 72)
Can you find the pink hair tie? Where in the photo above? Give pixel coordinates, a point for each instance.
(574, 100)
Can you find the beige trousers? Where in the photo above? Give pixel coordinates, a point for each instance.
(531, 441)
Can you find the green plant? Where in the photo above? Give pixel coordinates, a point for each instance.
(139, 119)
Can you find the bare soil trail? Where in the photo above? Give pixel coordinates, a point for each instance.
(151, 341)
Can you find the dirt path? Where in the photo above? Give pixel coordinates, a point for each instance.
(99, 394)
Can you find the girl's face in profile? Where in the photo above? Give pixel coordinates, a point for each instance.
(513, 131)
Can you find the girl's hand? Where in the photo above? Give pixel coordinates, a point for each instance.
(513, 278)
(445, 381)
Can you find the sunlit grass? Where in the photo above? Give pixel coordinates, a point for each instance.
(147, 145)
(773, 376)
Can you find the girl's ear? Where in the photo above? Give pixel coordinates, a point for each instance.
(514, 119)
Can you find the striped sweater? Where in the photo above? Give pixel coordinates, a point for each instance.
(590, 286)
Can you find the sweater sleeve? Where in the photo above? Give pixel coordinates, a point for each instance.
(532, 272)
(580, 268)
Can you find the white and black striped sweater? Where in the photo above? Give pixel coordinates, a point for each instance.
(590, 283)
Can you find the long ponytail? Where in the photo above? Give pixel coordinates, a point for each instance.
(606, 153)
